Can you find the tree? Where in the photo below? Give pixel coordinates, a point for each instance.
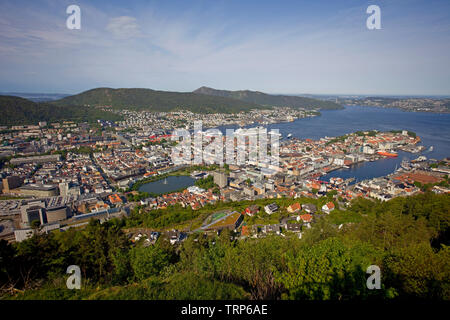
(148, 261)
(322, 272)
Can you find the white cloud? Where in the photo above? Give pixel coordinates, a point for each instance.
(123, 27)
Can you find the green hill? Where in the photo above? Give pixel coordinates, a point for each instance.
(147, 99)
(15, 111)
(270, 100)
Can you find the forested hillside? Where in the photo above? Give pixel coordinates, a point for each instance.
(271, 99)
(152, 100)
(15, 111)
(407, 238)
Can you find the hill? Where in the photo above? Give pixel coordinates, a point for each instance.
(270, 100)
(147, 99)
(16, 110)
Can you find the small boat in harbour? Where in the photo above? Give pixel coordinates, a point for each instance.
(406, 164)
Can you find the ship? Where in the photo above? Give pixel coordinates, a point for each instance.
(387, 154)
(419, 159)
(406, 164)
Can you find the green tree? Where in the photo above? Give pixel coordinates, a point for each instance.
(148, 261)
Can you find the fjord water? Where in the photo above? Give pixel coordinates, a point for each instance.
(432, 128)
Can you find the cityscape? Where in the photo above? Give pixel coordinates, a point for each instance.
(100, 182)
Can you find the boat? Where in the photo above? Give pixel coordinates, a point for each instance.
(387, 154)
(405, 164)
(419, 159)
(289, 135)
(165, 181)
(431, 149)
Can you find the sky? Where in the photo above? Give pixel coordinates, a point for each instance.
(290, 47)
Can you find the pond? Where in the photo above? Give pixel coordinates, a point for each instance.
(169, 184)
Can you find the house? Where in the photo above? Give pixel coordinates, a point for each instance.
(309, 208)
(294, 207)
(274, 228)
(154, 235)
(327, 208)
(293, 227)
(245, 231)
(271, 208)
(175, 236)
(252, 210)
(306, 218)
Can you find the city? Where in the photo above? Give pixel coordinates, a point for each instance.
(226, 159)
(85, 172)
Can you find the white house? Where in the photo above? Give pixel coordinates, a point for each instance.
(327, 208)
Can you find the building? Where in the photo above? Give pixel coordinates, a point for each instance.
(309, 208)
(38, 190)
(271, 208)
(33, 211)
(252, 210)
(220, 178)
(328, 207)
(40, 211)
(293, 227)
(230, 221)
(63, 189)
(294, 207)
(23, 234)
(55, 214)
(249, 191)
(115, 199)
(36, 159)
(306, 218)
(11, 182)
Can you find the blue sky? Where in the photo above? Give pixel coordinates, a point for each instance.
(317, 47)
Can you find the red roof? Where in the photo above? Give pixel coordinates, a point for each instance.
(306, 217)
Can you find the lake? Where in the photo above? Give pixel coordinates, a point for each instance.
(173, 183)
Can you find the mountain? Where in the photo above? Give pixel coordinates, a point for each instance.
(269, 99)
(147, 99)
(16, 110)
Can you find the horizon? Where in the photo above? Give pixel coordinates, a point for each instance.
(278, 48)
(269, 93)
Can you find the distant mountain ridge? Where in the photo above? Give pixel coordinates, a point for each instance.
(265, 99)
(202, 100)
(152, 100)
(36, 97)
